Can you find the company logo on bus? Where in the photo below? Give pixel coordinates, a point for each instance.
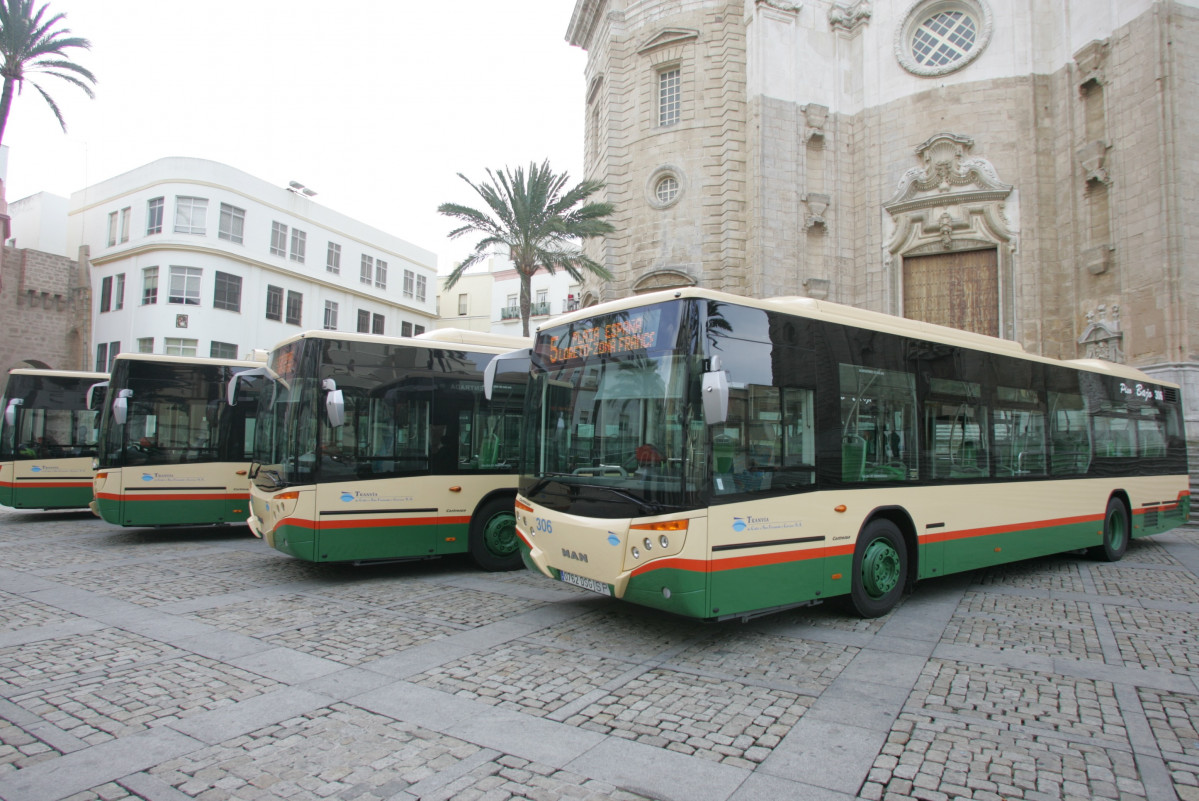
(613, 539)
(147, 477)
(35, 469)
(347, 496)
(751, 523)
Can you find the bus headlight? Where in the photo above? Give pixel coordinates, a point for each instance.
(664, 542)
(636, 552)
(649, 546)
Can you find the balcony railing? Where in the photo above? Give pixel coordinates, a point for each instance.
(535, 310)
(510, 313)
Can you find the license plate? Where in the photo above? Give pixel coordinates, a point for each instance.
(585, 583)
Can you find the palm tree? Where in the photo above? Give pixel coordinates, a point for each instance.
(537, 218)
(29, 45)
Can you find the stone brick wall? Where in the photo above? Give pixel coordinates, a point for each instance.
(45, 312)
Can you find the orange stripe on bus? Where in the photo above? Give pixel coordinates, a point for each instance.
(163, 496)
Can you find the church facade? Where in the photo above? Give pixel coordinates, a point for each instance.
(1019, 169)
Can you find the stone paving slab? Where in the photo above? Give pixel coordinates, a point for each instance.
(199, 664)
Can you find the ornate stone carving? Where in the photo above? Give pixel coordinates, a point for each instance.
(816, 287)
(1093, 157)
(815, 115)
(1098, 260)
(793, 8)
(667, 37)
(1103, 338)
(817, 204)
(849, 16)
(1091, 60)
(947, 170)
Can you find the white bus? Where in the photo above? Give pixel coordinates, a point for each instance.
(384, 448)
(172, 452)
(47, 439)
(717, 456)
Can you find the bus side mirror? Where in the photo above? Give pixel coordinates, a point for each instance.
(715, 391)
(96, 395)
(120, 406)
(10, 411)
(489, 371)
(335, 403)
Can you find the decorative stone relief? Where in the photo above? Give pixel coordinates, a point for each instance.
(817, 204)
(1103, 338)
(668, 37)
(1093, 157)
(815, 116)
(793, 8)
(1098, 260)
(662, 279)
(817, 287)
(849, 17)
(1091, 60)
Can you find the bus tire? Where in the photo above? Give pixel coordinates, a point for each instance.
(1116, 533)
(880, 569)
(493, 542)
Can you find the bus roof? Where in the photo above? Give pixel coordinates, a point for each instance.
(196, 360)
(860, 318)
(477, 341)
(84, 374)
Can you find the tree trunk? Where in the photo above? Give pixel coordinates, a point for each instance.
(526, 282)
(5, 105)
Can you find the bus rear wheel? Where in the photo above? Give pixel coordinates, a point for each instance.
(1116, 531)
(493, 542)
(880, 569)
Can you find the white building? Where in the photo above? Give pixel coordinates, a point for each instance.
(487, 298)
(191, 257)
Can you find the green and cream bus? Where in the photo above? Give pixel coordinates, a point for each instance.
(47, 439)
(383, 448)
(720, 457)
(172, 451)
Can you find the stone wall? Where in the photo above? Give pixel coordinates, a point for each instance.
(45, 312)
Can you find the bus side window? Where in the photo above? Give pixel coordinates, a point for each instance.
(1069, 435)
(878, 424)
(1018, 433)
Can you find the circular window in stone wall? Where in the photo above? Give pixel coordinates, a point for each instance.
(665, 186)
(940, 36)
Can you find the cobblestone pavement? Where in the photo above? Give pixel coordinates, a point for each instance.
(199, 664)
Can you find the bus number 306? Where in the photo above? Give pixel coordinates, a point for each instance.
(545, 525)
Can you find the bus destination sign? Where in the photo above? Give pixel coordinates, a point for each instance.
(607, 336)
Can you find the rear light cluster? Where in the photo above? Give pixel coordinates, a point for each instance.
(649, 542)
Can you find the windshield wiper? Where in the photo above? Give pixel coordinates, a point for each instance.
(647, 507)
(277, 482)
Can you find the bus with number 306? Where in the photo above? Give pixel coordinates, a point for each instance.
(721, 457)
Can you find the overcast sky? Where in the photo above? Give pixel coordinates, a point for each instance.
(375, 105)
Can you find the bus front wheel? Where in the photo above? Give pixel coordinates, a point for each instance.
(493, 542)
(880, 569)
(1116, 531)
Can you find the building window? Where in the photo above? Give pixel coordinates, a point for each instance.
(154, 216)
(184, 286)
(333, 258)
(105, 294)
(118, 293)
(174, 346)
(942, 36)
(462, 304)
(295, 307)
(222, 350)
(189, 215)
(145, 344)
(667, 189)
(125, 215)
(330, 315)
(422, 288)
(102, 357)
(405, 329)
(366, 270)
(670, 88)
(149, 286)
(417, 330)
(274, 303)
(112, 229)
(381, 274)
(278, 239)
(233, 223)
(377, 324)
(227, 294)
(299, 244)
(409, 283)
(364, 321)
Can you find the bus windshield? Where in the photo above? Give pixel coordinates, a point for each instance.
(344, 410)
(175, 413)
(613, 418)
(46, 417)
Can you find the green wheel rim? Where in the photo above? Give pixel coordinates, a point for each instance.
(499, 535)
(880, 568)
(1117, 532)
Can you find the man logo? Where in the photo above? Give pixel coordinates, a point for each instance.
(575, 555)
